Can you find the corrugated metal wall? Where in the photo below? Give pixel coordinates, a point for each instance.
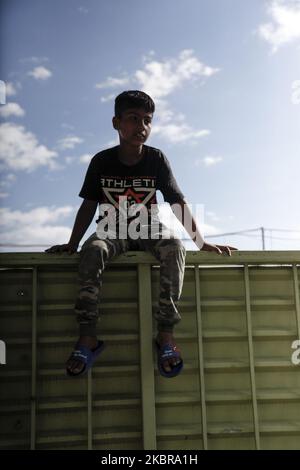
(239, 388)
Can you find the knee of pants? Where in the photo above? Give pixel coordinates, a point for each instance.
(178, 245)
(93, 258)
(174, 246)
(96, 246)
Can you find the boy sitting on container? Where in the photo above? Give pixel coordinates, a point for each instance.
(121, 180)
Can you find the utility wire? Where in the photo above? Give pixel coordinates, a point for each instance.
(244, 233)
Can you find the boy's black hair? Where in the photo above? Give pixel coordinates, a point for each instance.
(133, 99)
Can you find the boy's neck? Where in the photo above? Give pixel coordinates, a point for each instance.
(129, 154)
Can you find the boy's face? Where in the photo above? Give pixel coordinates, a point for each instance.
(134, 126)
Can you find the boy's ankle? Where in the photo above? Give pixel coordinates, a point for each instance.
(88, 341)
(164, 337)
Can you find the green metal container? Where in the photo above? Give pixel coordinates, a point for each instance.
(240, 387)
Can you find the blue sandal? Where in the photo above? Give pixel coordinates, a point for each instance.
(86, 356)
(168, 352)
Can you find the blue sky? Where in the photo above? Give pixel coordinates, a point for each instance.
(225, 76)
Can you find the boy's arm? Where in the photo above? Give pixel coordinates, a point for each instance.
(83, 219)
(189, 223)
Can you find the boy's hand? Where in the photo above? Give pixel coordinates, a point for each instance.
(218, 248)
(70, 249)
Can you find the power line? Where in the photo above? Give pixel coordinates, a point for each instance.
(233, 233)
(263, 234)
(246, 233)
(282, 230)
(14, 245)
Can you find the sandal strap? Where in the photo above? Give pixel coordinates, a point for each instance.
(168, 351)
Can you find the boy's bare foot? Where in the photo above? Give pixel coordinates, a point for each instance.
(168, 338)
(75, 366)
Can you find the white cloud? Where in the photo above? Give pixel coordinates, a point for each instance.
(173, 127)
(69, 160)
(11, 177)
(7, 180)
(212, 216)
(20, 149)
(208, 160)
(40, 215)
(2, 92)
(284, 26)
(10, 89)
(11, 109)
(146, 57)
(5, 183)
(40, 73)
(64, 125)
(37, 226)
(112, 82)
(176, 133)
(86, 158)
(69, 142)
(110, 97)
(160, 79)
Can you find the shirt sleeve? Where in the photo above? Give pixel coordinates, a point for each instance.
(167, 184)
(91, 184)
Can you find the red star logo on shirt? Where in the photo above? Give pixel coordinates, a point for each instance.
(132, 195)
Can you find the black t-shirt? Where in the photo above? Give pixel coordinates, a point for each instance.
(107, 179)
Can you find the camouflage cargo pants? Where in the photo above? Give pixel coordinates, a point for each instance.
(96, 252)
